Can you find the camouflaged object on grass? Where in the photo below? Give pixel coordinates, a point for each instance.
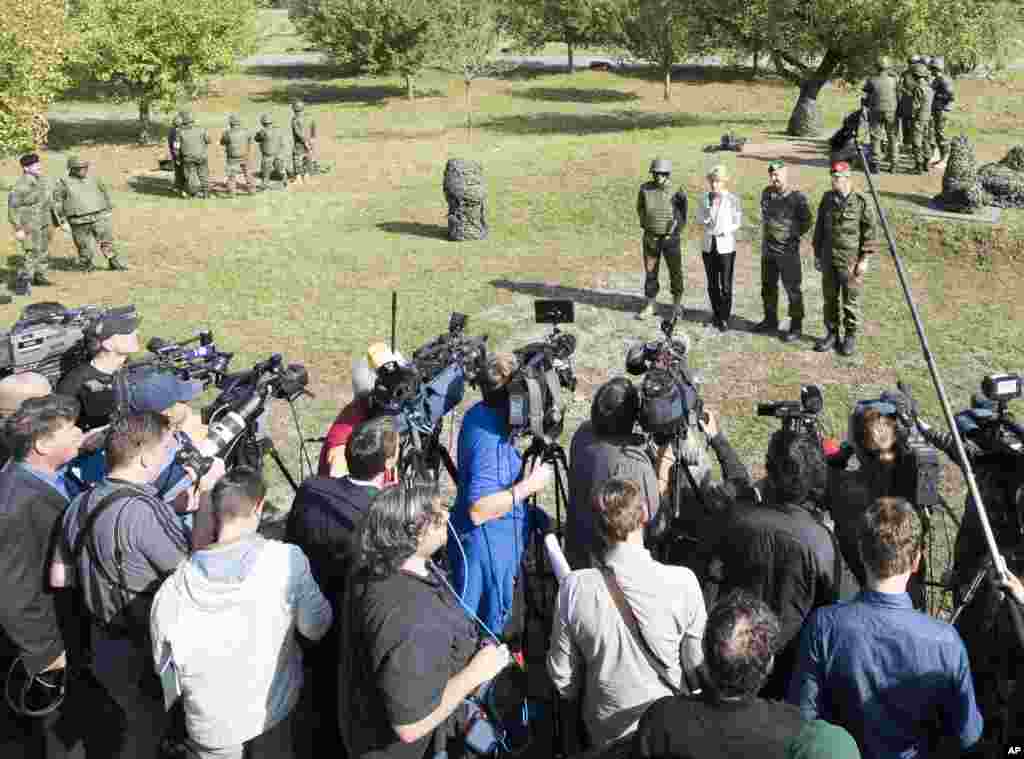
(1004, 181)
(467, 199)
(962, 191)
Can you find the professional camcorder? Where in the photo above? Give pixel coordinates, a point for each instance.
(49, 339)
(545, 367)
(670, 401)
(797, 416)
(989, 426)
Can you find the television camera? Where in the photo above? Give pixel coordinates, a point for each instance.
(802, 416)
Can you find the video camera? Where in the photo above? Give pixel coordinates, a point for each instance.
(544, 368)
(670, 401)
(800, 416)
(49, 339)
(988, 424)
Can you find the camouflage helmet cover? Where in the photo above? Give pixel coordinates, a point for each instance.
(297, 105)
(233, 120)
(938, 63)
(661, 166)
(75, 162)
(265, 119)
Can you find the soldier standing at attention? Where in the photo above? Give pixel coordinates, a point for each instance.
(844, 237)
(920, 117)
(29, 210)
(906, 103)
(303, 134)
(942, 100)
(786, 217)
(83, 203)
(881, 101)
(271, 143)
(193, 142)
(237, 143)
(172, 148)
(662, 215)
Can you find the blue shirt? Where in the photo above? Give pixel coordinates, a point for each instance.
(887, 673)
(54, 479)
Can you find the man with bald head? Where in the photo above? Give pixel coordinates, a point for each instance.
(15, 389)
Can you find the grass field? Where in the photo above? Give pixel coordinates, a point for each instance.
(309, 272)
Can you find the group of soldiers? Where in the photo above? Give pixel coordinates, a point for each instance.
(909, 107)
(188, 145)
(78, 203)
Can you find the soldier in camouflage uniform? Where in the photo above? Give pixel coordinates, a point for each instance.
(271, 142)
(193, 146)
(172, 148)
(83, 203)
(880, 97)
(30, 212)
(303, 135)
(942, 100)
(844, 237)
(906, 101)
(786, 217)
(920, 118)
(237, 143)
(662, 215)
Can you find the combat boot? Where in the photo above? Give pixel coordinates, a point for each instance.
(849, 345)
(767, 324)
(827, 343)
(794, 332)
(116, 264)
(647, 311)
(41, 279)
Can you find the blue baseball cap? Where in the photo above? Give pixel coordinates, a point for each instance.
(159, 391)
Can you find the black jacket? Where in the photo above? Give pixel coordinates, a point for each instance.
(30, 517)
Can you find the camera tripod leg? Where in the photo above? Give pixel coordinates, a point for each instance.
(270, 448)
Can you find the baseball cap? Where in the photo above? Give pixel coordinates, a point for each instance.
(159, 391)
(776, 165)
(841, 169)
(116, 321)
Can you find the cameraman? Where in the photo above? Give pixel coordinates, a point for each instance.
(119, 541)
(490, 519)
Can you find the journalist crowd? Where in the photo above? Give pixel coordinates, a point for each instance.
(698, 613)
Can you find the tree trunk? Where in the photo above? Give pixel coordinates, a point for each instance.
(757, 63)
(572, 64)
(469, 111)
(667, 71)
(805, 121)
(410, 87)
(145, 123)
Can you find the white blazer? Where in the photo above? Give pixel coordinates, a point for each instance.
(722, 223)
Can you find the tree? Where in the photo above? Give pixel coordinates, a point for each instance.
(33, 36)
(573, 22)
(657, 31)
(380, 36)
(155, 52)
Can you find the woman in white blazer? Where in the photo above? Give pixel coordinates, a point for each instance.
(721, 215)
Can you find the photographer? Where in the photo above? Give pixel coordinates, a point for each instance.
(781, 551)
(603, 448)
(490, 518)
(410, 655)
(119, 541)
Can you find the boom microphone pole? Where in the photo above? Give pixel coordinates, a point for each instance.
(997, 559)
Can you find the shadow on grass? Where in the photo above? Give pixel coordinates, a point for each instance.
(923, 201)
(415, 229)
(575, 95)
(604, 122)
(689, 73)
(791, 160)
(312, 92)
(68, 132)
(147, 184)
(299, 71)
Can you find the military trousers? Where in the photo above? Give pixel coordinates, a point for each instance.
(35, 250)
(788, 268)
(939, 119)
(920, 146)
(883, 125)
(197, 176)
(301, 162)
(271, 167)
(840, 288)
(656, 247)
(93, 232)
(179, 176)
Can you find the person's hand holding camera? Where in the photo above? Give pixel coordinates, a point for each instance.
(534, 482)
(1014, 587)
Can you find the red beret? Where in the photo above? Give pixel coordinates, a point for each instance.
(841, 168)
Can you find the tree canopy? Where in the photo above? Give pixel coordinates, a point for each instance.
(660, 31)
(33, 42)
(573, 22)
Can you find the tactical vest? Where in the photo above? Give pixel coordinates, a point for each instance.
(83, 197)
(658, 216)
(299, 132)
(236, 140)
(923, 95)
(943, 89)
(193, 143)
(882, 94)
(271, 141)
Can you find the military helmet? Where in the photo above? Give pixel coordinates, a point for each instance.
(74, 162)
(938, 63)
(187, 119)
(919, 70)
(661, 166)
(233, 120)
(297, 105)
(265, 119)
(927, 60)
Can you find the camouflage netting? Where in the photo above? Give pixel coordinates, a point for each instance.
(467, 199)
(1004, 180)
(961, 190)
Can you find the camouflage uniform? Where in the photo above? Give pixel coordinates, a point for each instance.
(302, 141)
(29, 208)
(905, 108)
(236, 142)
(843, 235)
(942, 100)
(172, 149)
(84, 202)
(662, 215)
(271, 142)
(194, 149)
(920, 118)
(880, 97)
(786, 217)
